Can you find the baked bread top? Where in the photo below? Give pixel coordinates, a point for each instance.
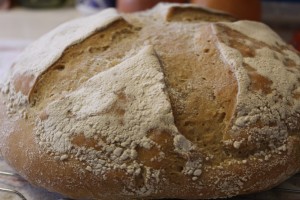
(174, 102)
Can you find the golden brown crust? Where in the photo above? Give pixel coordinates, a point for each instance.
(197, 155)
(190, 14)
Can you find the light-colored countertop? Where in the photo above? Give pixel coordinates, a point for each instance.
(29, 24)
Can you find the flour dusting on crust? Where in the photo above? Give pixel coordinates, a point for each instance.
(118, 107)
(267, 81)
(41, 54)
(159, 123)
(257, 31)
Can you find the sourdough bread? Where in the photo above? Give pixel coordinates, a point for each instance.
(174, 102)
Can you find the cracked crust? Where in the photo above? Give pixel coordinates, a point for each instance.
(216, 123)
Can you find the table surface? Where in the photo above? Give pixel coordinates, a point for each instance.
(30, 24)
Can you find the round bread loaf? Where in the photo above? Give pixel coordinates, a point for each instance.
(175, 102)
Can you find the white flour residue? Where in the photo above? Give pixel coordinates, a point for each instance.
(42, 53)
(116, 108)
(275, 105)
(257, 31)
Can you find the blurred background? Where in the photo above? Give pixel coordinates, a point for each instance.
(29, 19)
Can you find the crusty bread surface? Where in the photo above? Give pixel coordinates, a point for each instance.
(174, 102)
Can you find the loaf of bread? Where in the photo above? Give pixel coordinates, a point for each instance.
(174, 102)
